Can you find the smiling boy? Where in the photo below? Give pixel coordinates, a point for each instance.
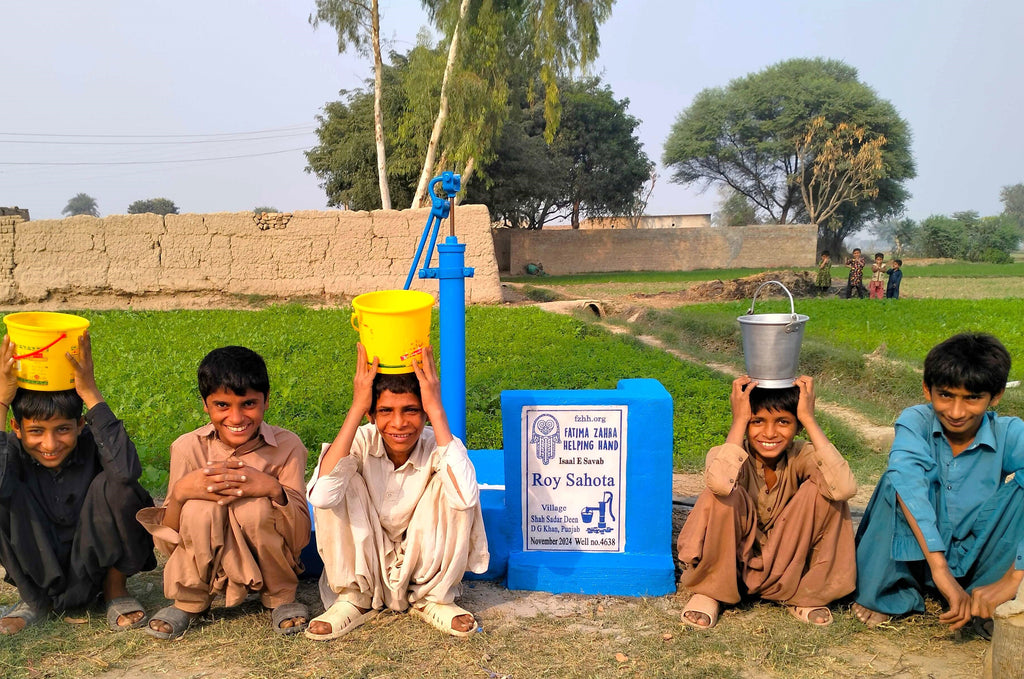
(397, 507)
(773, 521)
(943, 516)
(235, 519)
(69, 492)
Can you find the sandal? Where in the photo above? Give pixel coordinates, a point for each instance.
(803, 614)
(178, 619)
(31, 616)
(343, 617)
(704, 605)
(287, 612)
(440, 616)
(124, 605)
(983, 627)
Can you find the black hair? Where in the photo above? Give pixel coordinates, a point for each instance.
(879, 254)
(783, 400)
(978, 362)
(825, 253)
(44, 405)
(236, 368)
(400, 383)
(855, 250)
(898, 261)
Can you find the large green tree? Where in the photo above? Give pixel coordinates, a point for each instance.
(157, 206)
(594, 166)
(81, 204)
(746, 136)
(1013, 202)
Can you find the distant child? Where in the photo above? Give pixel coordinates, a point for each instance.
(235, 519)
(877, 286)
(397, 507)
(69, 491)
(773, 521)
(855, 281)
(823, 281)
(895, 274)
(943, 516)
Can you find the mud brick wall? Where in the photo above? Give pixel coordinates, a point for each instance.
(303, 254)
(602, 250)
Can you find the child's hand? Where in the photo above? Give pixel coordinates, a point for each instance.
(232, 479)
(85, 378)
(430, 384)
(739, 399)
(8, 371)
(805, 406)
(362, 383)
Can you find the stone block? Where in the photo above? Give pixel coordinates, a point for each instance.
(230, 223)
(187, 224)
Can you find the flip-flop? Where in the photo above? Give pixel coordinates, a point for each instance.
(124, 605)
(178, 619)
(983, 627)
(288, 611)
(343, 617)
(440, 617)
(705, 605)
(803, 614)
(31, 616)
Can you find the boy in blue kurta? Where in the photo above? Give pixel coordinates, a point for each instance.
(943, 515)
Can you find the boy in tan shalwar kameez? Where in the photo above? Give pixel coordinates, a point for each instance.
(396, 506)
(235, 519)
(773, 520)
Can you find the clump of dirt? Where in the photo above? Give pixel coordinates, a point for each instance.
(800, 284)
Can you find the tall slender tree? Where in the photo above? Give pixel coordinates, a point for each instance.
(81, 204)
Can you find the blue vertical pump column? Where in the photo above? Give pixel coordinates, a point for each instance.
(451, 273)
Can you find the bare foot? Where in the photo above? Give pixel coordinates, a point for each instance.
(701, 611)
(463, 623)
(869, 617)
(10, 626)
(296, 622)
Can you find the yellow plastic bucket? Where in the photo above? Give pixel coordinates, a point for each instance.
(41, 339)
(394, 326)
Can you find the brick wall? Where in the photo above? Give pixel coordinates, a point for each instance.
(568, 252)
(319, 254)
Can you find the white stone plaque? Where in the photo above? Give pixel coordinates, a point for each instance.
(574, 478)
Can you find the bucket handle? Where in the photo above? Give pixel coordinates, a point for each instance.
(38, 353)
(352, 320)
(792, 325)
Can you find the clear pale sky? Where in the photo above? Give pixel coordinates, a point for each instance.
(170, 74)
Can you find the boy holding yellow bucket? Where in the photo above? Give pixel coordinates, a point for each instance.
(69, 493)
(396, 505)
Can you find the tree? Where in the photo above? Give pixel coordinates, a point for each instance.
(903, 234)
(595, 166)
(261, 209)
(1013, 202)
(735, 209)
(358, 24)
(81, 204)
(745, 136)
(157, 206)
(965, 235)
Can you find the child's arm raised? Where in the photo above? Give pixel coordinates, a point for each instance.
(362, 397)
(9, 378)
(839, 482)
(723, 463)
(430, 394)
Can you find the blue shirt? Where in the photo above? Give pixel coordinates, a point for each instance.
(942, 492)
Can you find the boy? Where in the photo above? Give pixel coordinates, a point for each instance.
(895, 274)
(943, 515)
(773, 520)
(235, 519)
(69, 492)
(397, 507)
(876, 287)
(855, 281)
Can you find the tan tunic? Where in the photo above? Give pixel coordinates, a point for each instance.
(251, 544)
(793, 543)
(391, 537)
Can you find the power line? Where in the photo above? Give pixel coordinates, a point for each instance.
(153, 136)
(158, 162)
(145, 143)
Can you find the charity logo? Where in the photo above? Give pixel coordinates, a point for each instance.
(545, 436)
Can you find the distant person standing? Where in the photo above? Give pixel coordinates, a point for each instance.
(877, 285)
(895, 274)
(823, 281)
(855, 281)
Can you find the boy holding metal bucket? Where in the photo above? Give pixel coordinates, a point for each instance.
(773, 521)
(69, 492)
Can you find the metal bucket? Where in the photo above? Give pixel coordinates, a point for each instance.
(771, 343)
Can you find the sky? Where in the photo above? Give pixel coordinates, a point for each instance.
(210, 103)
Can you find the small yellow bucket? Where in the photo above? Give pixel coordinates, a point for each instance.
(394, 326)
(41, 339)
